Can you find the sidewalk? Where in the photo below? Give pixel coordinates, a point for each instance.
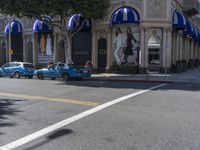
(191, 76)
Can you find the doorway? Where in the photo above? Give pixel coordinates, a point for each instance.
(102, 55)
(154, 59)
(17, 47)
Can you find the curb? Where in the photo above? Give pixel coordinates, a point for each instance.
(128, 80)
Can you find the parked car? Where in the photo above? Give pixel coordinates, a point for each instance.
(62, 70)
(17, 70)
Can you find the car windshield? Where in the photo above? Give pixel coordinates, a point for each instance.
(28, 66)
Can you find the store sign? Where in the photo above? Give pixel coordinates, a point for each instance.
(81, 52)
(10, 52)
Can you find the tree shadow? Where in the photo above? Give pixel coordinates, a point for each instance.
(55, 135)
(6, 110)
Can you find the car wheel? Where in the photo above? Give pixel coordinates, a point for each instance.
(65, 76)
(16, 75)
(40, 76)
(53, 78)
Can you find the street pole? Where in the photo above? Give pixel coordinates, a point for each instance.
(9, 42)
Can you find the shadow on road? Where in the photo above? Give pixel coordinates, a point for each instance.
(6, 110)
(56, 135)
(131, 85)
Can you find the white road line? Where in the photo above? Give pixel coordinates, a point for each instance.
(56, 126)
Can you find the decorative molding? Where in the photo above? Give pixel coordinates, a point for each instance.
(155, 9)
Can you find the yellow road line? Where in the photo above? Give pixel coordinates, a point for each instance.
(69, 101)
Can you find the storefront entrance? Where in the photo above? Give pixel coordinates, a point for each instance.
(154, 53)
(102, 54)
(154, 59)
(17, 47)
(82, 47)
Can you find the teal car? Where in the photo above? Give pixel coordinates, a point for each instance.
(17, 70)
(62, 70)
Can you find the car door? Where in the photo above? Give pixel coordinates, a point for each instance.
(6, 69)
(57, 72)
(14, 67)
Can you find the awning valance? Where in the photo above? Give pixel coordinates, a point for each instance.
(42, 26)
(75, 22)
(195, 34)
(125, 15)
(179, 21)
(15, 26)
(189, 29)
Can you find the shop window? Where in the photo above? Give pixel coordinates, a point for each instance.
(154, 56)
(45, 48)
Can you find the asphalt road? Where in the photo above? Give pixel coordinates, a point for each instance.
(165, 118)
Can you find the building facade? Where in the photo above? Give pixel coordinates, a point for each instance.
(161, 35)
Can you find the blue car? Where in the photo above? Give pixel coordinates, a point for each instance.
(62, 70)
(17, 70)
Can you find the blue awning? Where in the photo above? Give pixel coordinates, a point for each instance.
(195, 34)
(16, 28)
(75, 22)
(197, 39)
(42, 26)
(125, 15)
(189, 29)
(179, 21)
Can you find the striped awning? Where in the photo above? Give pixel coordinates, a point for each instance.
(179, 21)
(125, 15)
(42, 25)
(15, 26)
(75, 22)
(196, 35)
(189, 31)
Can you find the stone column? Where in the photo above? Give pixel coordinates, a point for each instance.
(55, 46)
(169, 49)
(181, 48)
(174, 48)
(163, 50)
(109, 50)
(187, 49)
(94, 50)
(184, 48)
(198, 51)
(177, 47)
(192, 50)
(142, 49)
(7, 55)
(195, 50)
(35, 48)
(146, 50)
(24, 48)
